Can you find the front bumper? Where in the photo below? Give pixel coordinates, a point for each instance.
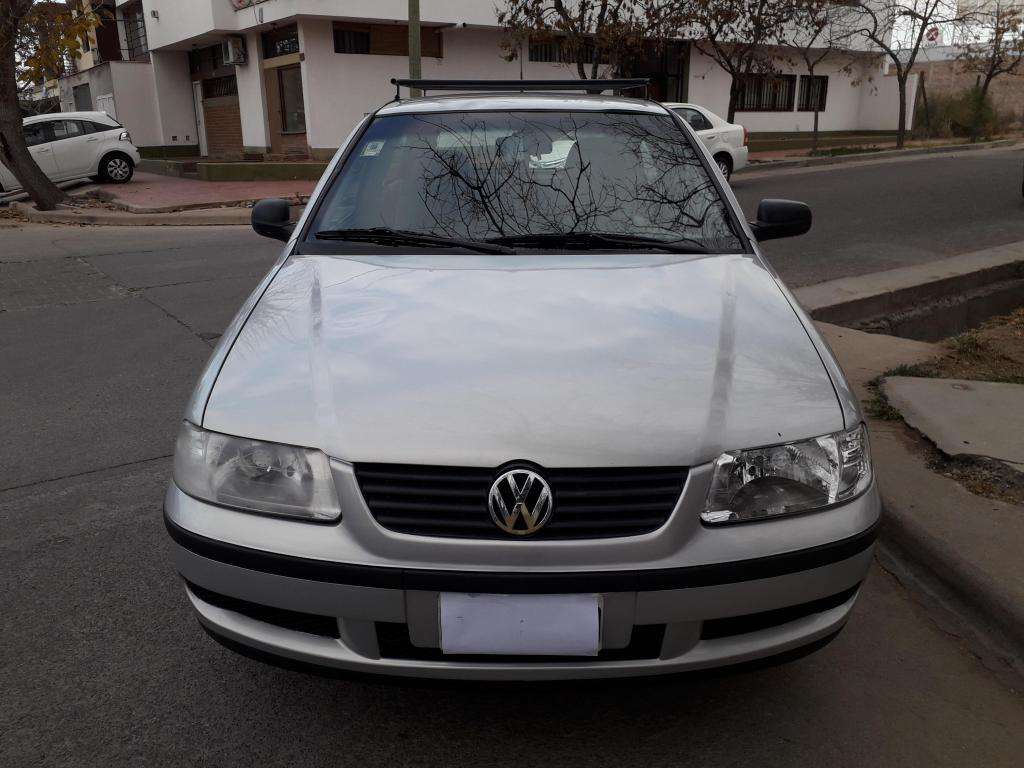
(673, 600)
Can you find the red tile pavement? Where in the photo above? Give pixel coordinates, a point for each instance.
(150, 190)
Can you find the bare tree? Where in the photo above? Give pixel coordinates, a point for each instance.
(36, 42)
(736, 34)
(993, 48)
(897, 28)
(586, 33)
(815, 33)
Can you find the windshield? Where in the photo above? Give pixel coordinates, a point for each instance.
(485, 176)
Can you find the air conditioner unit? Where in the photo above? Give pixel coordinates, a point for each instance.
(233, 50)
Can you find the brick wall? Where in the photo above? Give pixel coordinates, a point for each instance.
(946, 78)
(223, 127)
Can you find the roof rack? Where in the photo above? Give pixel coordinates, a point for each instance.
(520, 85)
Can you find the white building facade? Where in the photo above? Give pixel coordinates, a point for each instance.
(283, 79)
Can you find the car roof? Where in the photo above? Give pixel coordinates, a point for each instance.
(497, 102)
(69, 116)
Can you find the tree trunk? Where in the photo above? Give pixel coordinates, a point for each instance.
(734, 98)
(814, 134)
(901, 128)
(13, 151)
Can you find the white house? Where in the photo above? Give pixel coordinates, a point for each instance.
(277, 79)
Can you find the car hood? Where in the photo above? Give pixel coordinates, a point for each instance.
(570, 361)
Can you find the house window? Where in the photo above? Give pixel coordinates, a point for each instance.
(293, 108)
(813, 93)
(134, 21)
(767, 93)
(559, 51)
(545, 52)
(351, 39)
(385, 40)
(281, 42)
(216, 87)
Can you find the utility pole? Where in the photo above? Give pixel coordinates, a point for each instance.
(415, 64)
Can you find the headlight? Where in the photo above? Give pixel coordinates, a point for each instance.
(254, 475)
(124, 136)
(789, 478)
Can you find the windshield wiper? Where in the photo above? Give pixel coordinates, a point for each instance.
(587, 240)
(387, 236)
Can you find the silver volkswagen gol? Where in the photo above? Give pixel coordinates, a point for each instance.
(521, 399)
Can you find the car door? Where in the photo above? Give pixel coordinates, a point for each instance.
(74, 153)
(39, 138)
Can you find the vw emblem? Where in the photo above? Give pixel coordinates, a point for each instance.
(520, 502)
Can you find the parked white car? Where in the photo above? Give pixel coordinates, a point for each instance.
(726, 141)
(77, 145)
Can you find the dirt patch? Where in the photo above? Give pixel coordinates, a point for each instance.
(993, 352)
(11, 217)
(981, 476)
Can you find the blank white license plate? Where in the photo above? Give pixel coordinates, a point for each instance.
(534, 625)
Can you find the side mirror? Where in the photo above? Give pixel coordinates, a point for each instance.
(781, 218)
(271, 218)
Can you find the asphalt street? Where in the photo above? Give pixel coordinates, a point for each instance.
(887, 214)
(102, 334)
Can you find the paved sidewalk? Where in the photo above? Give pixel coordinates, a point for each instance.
(155, 193)
(974, 418)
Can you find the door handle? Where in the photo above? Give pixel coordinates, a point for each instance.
(93, 139)
(41, 151)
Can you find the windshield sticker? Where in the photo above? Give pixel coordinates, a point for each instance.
(372, 148)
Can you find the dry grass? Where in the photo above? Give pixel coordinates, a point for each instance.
(993, 352)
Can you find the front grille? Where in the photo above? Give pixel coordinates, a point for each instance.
(393, 641)
(452, 501)
(753, 622)
(310, 623)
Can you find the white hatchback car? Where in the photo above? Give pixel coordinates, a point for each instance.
(726, 141)
(77, 145)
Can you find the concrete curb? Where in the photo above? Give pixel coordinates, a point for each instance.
(979, 594)
(103, 217)
(937, 543)
(850, 299)
(245, 203)
(860, 157)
